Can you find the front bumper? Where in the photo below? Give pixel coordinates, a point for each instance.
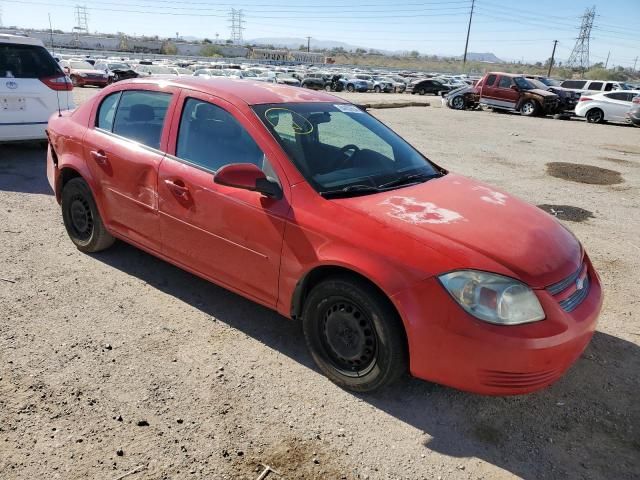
(450, 347)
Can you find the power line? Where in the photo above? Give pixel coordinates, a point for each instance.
(579, 57)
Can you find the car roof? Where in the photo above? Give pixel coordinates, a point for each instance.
(20, 39)
(245, 91)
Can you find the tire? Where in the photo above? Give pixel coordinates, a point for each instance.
(422, 91)
(351, 88)
(595, 115)
(377, 89)
(529, 108)
(82, 219)
(354, 335)
(74, 80)
(457, 102)
(327, 88)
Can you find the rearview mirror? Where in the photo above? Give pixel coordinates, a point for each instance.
(247, 176)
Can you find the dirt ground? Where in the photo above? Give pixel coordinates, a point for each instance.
(119, 363)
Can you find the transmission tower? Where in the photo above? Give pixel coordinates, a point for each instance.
(237, 25)
(82, 19)
(579, 57)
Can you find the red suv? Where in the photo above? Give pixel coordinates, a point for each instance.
(310, 206)
(506, 91)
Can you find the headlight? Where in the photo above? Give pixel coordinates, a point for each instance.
(493, 298)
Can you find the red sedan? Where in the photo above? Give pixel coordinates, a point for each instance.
(308, 205)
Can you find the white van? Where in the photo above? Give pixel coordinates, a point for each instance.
(32, 87)
(585, 86)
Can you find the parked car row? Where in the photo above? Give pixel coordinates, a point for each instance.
(532, 95)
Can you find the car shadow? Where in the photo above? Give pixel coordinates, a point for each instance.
(23, 168)
(587, 425)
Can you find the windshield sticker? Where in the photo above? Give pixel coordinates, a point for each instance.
(347, 108)
(410, 210)
(492, 196)
(299, 124)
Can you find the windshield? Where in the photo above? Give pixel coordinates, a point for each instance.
(339, 146)
(81, 65)
(523, 83)
(537, 84)
(159, 70)
(119, 66)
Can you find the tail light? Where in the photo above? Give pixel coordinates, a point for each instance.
(584, 99)
(57, 82)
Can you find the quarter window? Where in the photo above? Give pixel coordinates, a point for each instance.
(211, 137)
(140, 116)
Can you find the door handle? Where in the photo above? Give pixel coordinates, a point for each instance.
(99, 156)
(177, 187)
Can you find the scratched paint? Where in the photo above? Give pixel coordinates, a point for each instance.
(492, 196)
(408, 209)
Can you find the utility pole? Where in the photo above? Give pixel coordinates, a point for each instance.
(51, 33)
(553, 54)
(466, 45)
(308, 44)
(607, 61)
(635, 63)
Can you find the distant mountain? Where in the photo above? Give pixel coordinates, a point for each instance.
(295, 43)
(482, 57)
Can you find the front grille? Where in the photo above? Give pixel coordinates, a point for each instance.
(578, 280)
(569, 304)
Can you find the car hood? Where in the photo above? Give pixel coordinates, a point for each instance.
(542, 93)
(88, 71)
(454, 214)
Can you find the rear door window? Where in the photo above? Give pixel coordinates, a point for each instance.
(140, 116)
(622, 96)
(573, 83)
(595, 86)
(107, 112)
(26, 61)
(491, 79)
(505, 82)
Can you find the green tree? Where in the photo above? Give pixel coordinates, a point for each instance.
(210, 51)
(206, 40)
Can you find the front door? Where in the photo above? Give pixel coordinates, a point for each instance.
(231, 236)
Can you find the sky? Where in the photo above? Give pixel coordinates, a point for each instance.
(513, 30)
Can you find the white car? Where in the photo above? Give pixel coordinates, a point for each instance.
(605, 107)
(32, 87)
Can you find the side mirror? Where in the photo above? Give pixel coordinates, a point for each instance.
(247, 176)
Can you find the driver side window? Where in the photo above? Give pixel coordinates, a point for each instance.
(211, 138)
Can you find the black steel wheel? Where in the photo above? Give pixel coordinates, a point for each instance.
(82, 219)
(354, 334)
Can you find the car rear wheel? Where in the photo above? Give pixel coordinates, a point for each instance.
(595, 115)
(529, 108)
(422, 91)
(82, 219)
(327, 87)
(377, 89)
(354, 334)
(351, 88)
(457, 102)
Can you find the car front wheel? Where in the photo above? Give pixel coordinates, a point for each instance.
(457, 102)
(529, 108)
(595, 115)
(354, 335)
(82, 219)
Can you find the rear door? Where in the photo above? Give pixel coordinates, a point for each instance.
(231, 236)
(32, 86)
(617, 105)
(123, 150)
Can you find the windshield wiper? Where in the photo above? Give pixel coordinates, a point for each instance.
(350, 190)
(409, 179)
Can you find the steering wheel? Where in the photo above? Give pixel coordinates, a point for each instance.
(347, 158)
